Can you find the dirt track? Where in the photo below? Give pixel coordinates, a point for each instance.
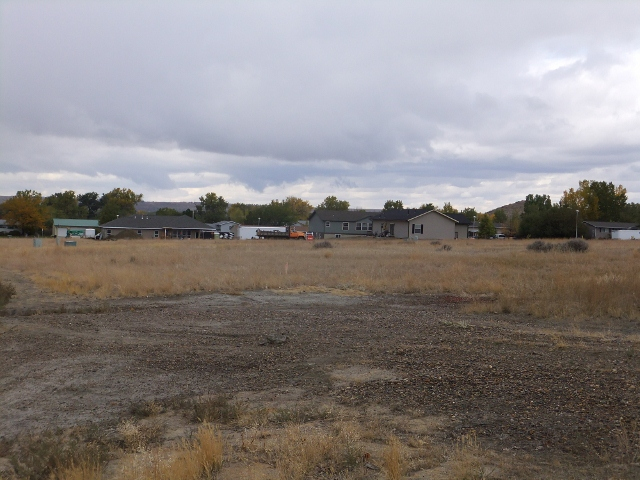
(545, 388)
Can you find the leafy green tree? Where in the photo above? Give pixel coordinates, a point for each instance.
(393, 205)
(276, 213)
(486, 229)
(301, 208)
(238, 212)
(536, 203)
(25, 210)
(212, 208)
(542, 219)
(65, 205)
(167, 212)
(447, 208)
(499, 216)
(631, 213)
(118, 202)
(470, 213)
(332, 203)
(428, 206)
(91, 202)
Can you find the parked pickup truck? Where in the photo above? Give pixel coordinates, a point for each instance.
(290, 232)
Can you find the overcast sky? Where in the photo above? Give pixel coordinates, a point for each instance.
(477, 103)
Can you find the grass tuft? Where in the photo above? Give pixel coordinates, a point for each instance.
(217, 408)
(7, 291)
(393, 459)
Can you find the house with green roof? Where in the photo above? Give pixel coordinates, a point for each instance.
(73, 227)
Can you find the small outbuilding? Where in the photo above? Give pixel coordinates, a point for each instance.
(71, 227)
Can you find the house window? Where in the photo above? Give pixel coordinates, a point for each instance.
(140, 232)
(416, 228)
(156, 234)
(338, 235)
(345, 225)
(108, 233)
(364, 226)
(327, 224)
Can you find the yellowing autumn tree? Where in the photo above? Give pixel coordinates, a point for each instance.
(25, 211)
(596, 200)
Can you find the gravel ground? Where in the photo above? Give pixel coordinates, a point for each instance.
(547, 388)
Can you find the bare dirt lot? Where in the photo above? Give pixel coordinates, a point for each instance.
(550, 399)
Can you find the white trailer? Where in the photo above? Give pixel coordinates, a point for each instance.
(90, 233)
(625, 234)
(247, 232)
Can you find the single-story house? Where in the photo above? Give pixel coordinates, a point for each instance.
(421, 224)
(71, 227)
(341, 223)
(153, 226)
(604, 229)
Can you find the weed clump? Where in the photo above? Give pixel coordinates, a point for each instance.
(217, 409)
(540, 246)
(323, 244)
(6, 292)
(48, 455)
(573, 245)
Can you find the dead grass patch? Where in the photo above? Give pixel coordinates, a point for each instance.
(602, 281)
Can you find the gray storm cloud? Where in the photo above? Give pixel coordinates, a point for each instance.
(282, 88)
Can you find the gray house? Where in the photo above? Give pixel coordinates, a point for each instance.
(341, 223)
(153, 226)
(420, 224)
(604, 229)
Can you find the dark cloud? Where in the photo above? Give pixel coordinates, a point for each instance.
(281, 93)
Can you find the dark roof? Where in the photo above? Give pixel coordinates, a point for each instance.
(342, 215)
(141, 222)
(461, 219)
(405, 214)
(614, 225)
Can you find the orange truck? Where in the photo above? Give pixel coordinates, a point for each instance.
(290, 232)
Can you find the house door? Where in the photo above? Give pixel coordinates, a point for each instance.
(392, 229)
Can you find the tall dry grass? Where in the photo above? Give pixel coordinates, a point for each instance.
(604, 281)
(199, 458)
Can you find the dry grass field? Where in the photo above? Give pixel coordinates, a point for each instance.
(275, 360)
(492, 274)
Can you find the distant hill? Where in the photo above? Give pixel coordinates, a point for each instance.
(153, 207)
(517, 208)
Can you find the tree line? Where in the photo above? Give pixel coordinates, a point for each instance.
(592, 200)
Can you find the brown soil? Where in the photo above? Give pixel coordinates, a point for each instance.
(549, 392)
